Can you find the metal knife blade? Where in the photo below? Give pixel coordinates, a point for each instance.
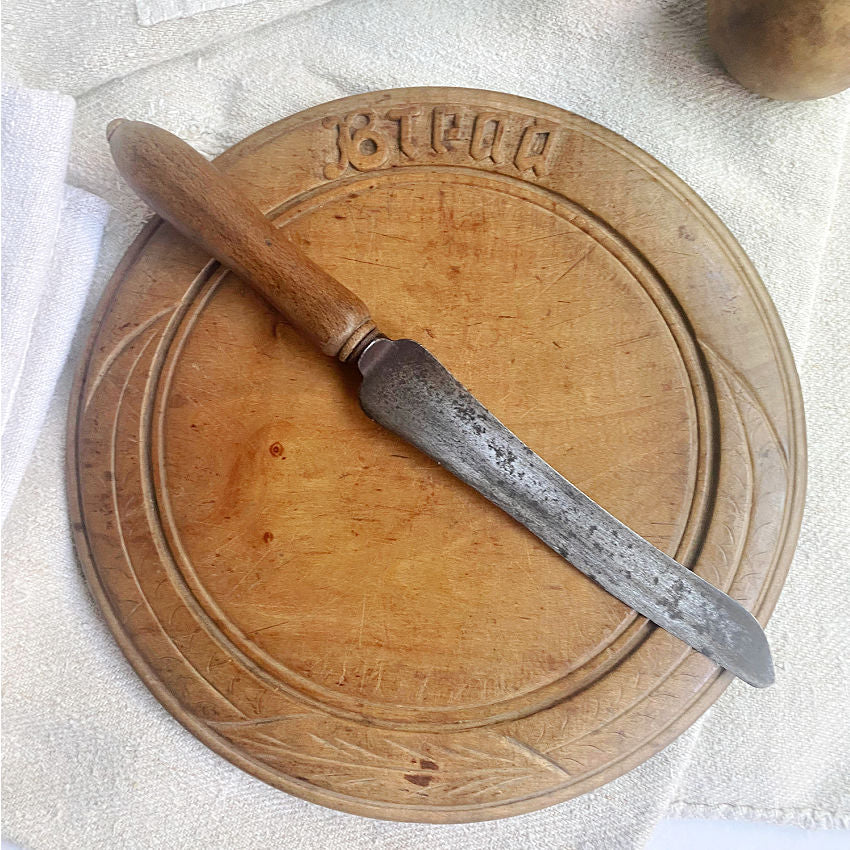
(407, 390)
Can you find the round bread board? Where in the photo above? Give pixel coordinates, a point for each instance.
(331, 610)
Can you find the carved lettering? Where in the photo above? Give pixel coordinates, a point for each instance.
(405, 115)
(457, 130)
(488, 137)
(443, 133)
(536, 147)
(359, 143)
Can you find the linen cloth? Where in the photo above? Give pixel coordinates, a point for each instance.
(90, 758)
(155, 11)
(51, 239)
(152, 12)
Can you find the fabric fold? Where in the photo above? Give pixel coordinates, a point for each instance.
(152, 12)
(51, 239)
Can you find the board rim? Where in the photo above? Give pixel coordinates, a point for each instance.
(788, 531)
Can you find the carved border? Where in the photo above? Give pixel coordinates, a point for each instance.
(739, 397)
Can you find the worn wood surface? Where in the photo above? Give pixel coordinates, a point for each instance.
(206, 206)
(331, 610)
(784, 49)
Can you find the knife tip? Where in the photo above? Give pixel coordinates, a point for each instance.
(764, 678)
(760, 672)
(742, 647)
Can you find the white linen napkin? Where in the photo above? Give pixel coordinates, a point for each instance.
(51, 236)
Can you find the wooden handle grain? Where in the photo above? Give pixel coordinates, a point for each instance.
(209, 208)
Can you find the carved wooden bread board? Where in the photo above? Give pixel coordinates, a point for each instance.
(331, 610)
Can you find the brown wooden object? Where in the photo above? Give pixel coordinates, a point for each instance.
(784, 49)
(205, 205)
(331, 610)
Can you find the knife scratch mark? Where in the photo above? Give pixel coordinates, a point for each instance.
(421, 692)
(362, 622)
(570, 268)
(266, 628)
(393, 236)
(249, 570)
(383, 597)
(528, 569)
(554, 235)
(369, 262)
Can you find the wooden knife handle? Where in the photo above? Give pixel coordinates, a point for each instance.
(208, 207)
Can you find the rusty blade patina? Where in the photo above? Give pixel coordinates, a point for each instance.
(408, 391)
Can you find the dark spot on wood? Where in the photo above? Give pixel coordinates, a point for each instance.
(427, 764)
(276, 450)
(418, 779)
(268, 537)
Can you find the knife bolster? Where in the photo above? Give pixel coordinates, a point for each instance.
(357, 342)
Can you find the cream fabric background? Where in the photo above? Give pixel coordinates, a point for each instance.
(90, 759)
